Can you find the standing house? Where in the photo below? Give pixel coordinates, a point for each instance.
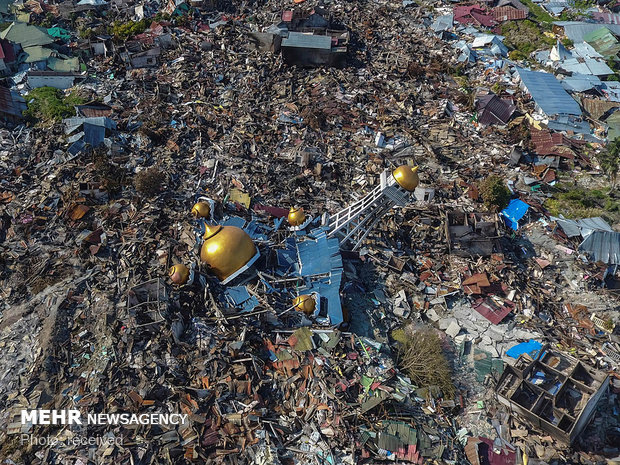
(56, 79)
(548, 93)
(309, 40)
(553, 392)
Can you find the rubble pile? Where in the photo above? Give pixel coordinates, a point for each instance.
(240, 212)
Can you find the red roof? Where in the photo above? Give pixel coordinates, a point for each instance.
(7, 51)
(472, 14)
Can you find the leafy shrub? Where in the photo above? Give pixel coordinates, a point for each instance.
(123, 31)
(149, 182)
(494, 192)
(50, 104)
(421, 357)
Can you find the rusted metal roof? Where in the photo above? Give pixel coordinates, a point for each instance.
(508, 13)
(11, 104)
(597, 108)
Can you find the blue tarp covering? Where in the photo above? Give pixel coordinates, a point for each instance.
(548, 93)
(530, 347)
(515, 210)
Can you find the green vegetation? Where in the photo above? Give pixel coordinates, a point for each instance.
(494, 192)
(421, 357)
(85, 33)
(161, 16)
(123, 31)
(609, 160)
(149, 182)
(579, 202)
(524, 37)
(539, 13)
(50, 104)
(567, 42)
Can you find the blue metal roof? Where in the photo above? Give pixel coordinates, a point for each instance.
(300, 40)
(580, 83)
(548, 93)
(238, 296)
(320, 256)
(443, 23)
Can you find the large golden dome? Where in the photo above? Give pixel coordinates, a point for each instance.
(226, 249)
(304, 303)
(296, 216)
(407, 177)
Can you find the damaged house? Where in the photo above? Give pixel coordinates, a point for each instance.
(554, 392)
(305, 39)
(472, 234)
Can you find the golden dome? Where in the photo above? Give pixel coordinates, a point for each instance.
(226, 249)
(179, 274)
(296, 216)
(201, 210)
(304, 303)
(407, 177)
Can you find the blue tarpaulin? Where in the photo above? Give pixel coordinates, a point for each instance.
(515, 210)
(530, 347)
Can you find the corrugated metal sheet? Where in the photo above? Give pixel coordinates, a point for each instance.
(300, 40)
(508, 13)
(11, 103)
(611, 89)
(607, 18)
(516, 3)
(583, 227)
(569, 123)
(494, 110)
(596, 107)
(26, 35)
(321, 257)
(603, 41)
(585, 50)
(576, 31)
(443, 23)
(603, 246)
(580, 83)
(548, 93)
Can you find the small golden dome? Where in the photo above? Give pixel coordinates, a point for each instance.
(201, 210)
(226, 249)
(179, 274)
(407, 177)
(304, 303)
(296, 216)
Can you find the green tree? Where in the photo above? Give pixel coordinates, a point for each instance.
(609, 159)
(494, 192)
